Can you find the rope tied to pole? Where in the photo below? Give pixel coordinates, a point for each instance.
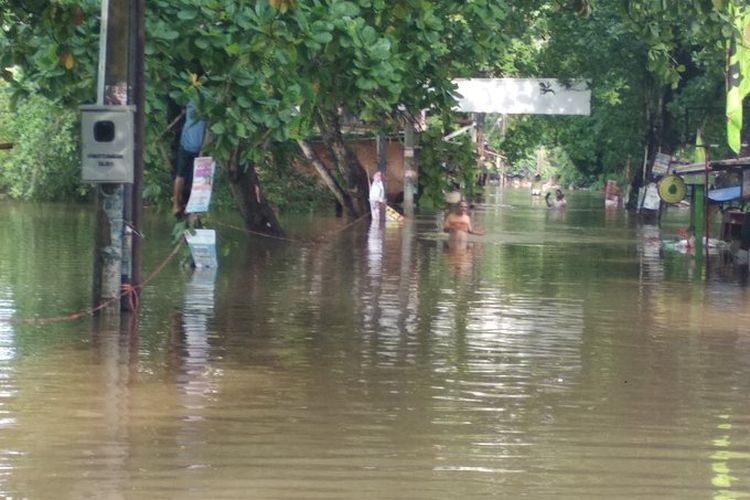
(129, 290)
(292, 240)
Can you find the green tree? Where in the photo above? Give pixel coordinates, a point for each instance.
(44, 163)
(655, 70)
(382, 63)
(265, 72)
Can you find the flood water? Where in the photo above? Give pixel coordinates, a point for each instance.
(561, 355)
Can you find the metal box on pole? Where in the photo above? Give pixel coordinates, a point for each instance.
(107, 144)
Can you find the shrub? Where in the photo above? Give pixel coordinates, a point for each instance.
(44, 163)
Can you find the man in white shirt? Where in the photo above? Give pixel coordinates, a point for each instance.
(377, 196)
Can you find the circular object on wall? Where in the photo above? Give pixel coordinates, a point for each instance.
(672, 189)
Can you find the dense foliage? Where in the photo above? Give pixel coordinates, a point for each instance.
(445, 167)
(269, 74)
(657, 75)
(44, 162)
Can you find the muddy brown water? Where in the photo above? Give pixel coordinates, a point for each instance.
(561, 355)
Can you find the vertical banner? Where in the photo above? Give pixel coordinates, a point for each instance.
(738, 72)
(202, 243)
(661, 164)
(700, 148)
(651, 199)
(203, 179)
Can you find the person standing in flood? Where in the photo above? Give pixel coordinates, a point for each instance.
(191, 142)
(377, 196)
(558, 202)
(458, 222)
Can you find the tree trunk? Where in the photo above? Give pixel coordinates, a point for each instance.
(341, 196)
(345, 160)
(659, 132)
(253, 206)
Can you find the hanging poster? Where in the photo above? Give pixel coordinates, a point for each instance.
(203, 179)
(202, 243)
(745, 183)
(651, 200)
(661, 164)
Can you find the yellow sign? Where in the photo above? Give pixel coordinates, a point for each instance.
(672, 189)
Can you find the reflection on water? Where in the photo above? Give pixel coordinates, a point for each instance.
(7, 310)
(189, 341)
(7, 388)
(556, 356)
(651, 264)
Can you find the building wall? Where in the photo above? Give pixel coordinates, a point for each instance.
(367, 156)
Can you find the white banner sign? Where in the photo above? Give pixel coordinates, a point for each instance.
(203, 179)
(523, 96)
(202, 243)
(661, 164)
(651, 200)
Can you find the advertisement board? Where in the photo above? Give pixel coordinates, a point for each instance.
(523, 96)
(203, 179)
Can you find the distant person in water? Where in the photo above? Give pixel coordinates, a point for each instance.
(559, 200)
(377, 197)
(458, 222)
(537, 186)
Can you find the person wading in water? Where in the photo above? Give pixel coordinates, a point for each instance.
(558, 202)
(458, 223)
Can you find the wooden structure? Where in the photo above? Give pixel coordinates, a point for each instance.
(697, 175)
(366, 151)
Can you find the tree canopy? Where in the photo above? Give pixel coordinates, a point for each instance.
(270, 74)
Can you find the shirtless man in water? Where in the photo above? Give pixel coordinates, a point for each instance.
(558, 202)
(458, 223)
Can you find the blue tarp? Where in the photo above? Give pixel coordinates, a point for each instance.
(725, 194)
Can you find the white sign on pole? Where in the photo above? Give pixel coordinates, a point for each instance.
(651, 200)
(203, 179)
(661, 164)
(523, 96)
(202, 243)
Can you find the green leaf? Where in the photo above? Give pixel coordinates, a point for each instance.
(322, 37)
(365, 84)
(369, 35)
(381, 50)
(170, 35)
(187, 14)
(345, 9)
(244, 102)
(241, 131)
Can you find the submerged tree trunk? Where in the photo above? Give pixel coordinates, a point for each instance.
(658, 138)
(341, 196)
(254, 208)
(357, 183)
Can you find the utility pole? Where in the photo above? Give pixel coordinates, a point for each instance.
(111, 90)
(139, 91)
(133, 196)
(380, 150)
(410, 169)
